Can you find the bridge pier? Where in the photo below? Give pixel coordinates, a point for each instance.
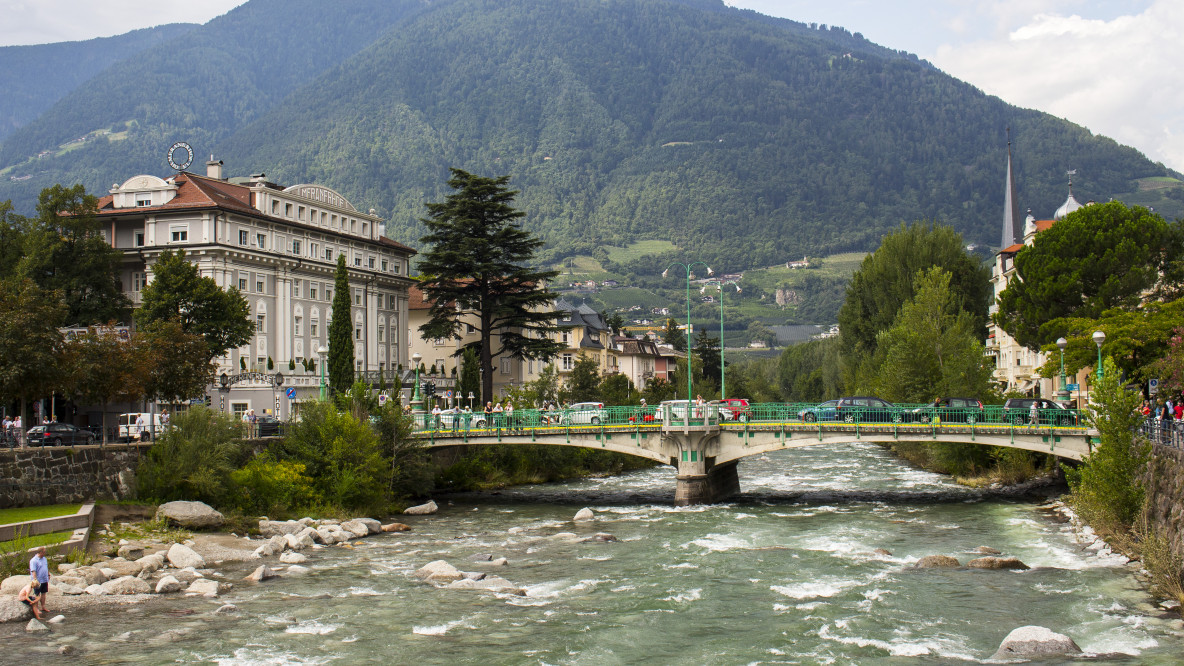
(704, 483)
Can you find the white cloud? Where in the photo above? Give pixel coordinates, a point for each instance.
(1117, 76)
(46, 21)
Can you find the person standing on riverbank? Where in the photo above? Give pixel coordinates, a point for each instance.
(39, 572)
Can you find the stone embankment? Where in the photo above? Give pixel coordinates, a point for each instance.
(67, 475)
(152, 568)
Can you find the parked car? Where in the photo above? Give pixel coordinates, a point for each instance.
(454, 418)
(867, 409)
(950, 410)
(269, 426)
(1019, 412)
(129, 432)
(59, 434)
(584, 413)
(824, 411)
(678, 410)
(733, 409)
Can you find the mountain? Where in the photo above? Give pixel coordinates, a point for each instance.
(743, 139)
(34, 77)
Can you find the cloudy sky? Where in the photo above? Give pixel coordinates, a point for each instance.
(1110, 65)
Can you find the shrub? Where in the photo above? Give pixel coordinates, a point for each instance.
(193, 460)
(273, 487)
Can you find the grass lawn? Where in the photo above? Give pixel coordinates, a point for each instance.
(37, 512)
(34, 541)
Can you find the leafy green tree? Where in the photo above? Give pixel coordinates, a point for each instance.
(1136, 340)
(759, 332)
(103, 368)
(65, 251)
(707, 351)
(1169, 368)
(674, 337)
(932, 348)
(886, 280)
(30, 342)
(657, 390)
(12, 238)
(475, 267)
(810, 371)
(583, 384)
(177, 363)
(470, 375)
(1107, 489)
(178, 293)
(193, 460)
(341, 332)
(1098, 258)
(617, 389)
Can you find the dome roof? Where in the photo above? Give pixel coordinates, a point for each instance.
(1069, 206)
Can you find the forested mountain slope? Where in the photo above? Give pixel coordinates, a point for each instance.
(199, 87)
(743, 139)
(34, 77)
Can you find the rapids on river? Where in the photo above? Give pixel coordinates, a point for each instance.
(789, 573)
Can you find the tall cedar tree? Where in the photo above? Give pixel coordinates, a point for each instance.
(475, 268)
(179, 293)
(341, 332)
(65, 251)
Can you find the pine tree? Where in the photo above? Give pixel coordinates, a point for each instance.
(674, 337)
(470, 374)
(475, 269)
(341, 333)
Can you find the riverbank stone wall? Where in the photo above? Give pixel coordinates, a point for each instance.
(1164, 482)
(65, 475)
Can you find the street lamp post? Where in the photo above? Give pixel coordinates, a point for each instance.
(471, 396)
(1099, 337)
(688, 267)
(1063, 394)
(416, 400)
(723, 394)
(323, 352)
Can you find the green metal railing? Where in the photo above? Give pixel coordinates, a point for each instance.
(678, 414)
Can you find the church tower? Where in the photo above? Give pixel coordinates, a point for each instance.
(1012, 232)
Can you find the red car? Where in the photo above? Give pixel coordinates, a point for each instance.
(734, 409)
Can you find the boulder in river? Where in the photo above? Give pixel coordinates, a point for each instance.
(373, 525)
(439, 571)
(481, 557)
(883, 551)
(602, 536)
(488, 583)
(937, 562)
(92, 575)
(261, 574)
(297, 570)
(169, 584)
(127, 585)
(991, 562)
(1034, 641)
(12, 610)
(583, 515)
(151, 563)
(56, 619)
(356, 528)
(193, 515)
(422, 509)
(270, 528)
(182, 556)
(123, 568)
(985, 550)
(35, 627)
(293, 558)
(298, 541)
(130, 552)
(396, 527)
(204, 587)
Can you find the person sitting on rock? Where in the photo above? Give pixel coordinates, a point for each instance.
(30, 596)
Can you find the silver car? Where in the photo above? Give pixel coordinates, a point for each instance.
(584, 413)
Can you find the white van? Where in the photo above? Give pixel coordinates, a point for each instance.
(128, 432)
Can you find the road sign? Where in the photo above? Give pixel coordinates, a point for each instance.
(382, 398)
(1072, 387)
(1153, 386)
(448, 394)
(290, 392)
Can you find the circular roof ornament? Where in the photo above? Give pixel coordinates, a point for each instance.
(180, 156)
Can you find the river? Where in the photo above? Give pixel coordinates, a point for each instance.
(789, 574)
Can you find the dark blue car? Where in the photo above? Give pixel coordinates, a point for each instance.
(821, 412)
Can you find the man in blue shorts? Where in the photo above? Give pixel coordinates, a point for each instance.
(39, 572)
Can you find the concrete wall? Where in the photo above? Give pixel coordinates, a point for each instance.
(1165, 495)
(65, 475)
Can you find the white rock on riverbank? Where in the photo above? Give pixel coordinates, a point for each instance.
(422, 509)
(182, 556)
(1035, 641)
(583, 515)
(192, 515)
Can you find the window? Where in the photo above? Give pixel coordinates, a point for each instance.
(469, 328)
(567, 362)
(353, 226)
(565, 337)
(296, 288)
(363, 228)
(275, 206)
(505, 366)
(242, 236)
(328, 294)
(179, 234)
(295, 247)
(398, 267)
(358, 364)
(329, 253)
(300, 212)
(357, 332)
(287, 210)
(357, 260)
(143, 199)
(260, 362)
(242, 284)
(261, 241)
(314, 250)
(391, 299)
(357, 296)
(139, 239)
(296, 325)
(259, 286)
(259, 322)
(333, 221)
(137, 281)
(382, 333)
(371, 262)
(439, 342)
(384, 265)
(312, 293)
(312, 327)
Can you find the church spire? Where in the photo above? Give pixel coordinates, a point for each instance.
(1011, 205)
